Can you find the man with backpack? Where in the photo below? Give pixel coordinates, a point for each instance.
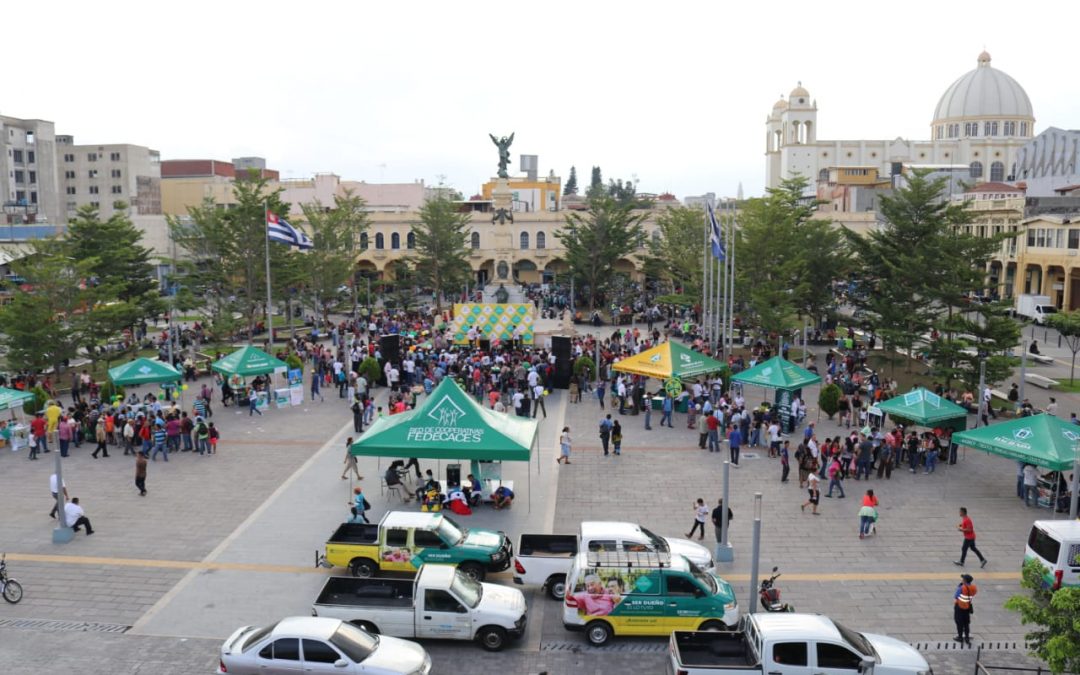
(605, 433)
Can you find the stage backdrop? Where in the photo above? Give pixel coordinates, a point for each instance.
(494, 321)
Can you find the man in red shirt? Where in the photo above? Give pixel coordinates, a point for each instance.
(37, 430)
(968, 529)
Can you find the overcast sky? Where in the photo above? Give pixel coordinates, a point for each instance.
(674, 93)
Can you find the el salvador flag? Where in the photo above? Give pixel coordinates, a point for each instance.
(715, 240)
(277, 229)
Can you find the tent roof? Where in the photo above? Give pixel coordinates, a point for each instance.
(449, 424)
(1043, 440)
(11, 398)
(777, 373)
(143, 371)
(922, 407)
(669, 359)
(248, 361)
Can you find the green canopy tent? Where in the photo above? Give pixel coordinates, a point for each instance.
(925, 409)
(1042, 440)
(248, 362)
(144, 371)
(450, 424)
(11, 399)
(783, 376)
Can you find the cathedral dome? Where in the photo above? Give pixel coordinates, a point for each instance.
(983, 92)
(780, 105)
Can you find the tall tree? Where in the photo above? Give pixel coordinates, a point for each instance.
(442, 248)
(676, 255)
(1052, 616)
(597, 239)
(1068, 325)
(571, 186)
(596, 183)
(330, 263)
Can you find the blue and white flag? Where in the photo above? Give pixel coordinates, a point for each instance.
(277, 229)
(716, 240)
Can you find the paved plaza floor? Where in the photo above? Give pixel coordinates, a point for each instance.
(230, 540)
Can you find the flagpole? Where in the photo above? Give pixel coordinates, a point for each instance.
(721, 285)
(731, 286)
(269, 302)
(705, 327)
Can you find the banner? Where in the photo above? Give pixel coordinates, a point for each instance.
(494, 322)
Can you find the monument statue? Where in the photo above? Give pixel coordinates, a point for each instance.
(501, 216)
(503, 144)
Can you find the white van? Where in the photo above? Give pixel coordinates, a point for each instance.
(1056, 544)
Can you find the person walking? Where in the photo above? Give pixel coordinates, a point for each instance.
(835, 477)
(963, 609)
(668, 406)
(140, 472)
(734, 443)
(1031, 485)
(350, 461)
(359, 505)
(701, 513)
(717, 515)
(160, 441)
(968, 528)
(54, 488)
(253, 404)
(616, 437)
(813, 489)
(605, 433)
(315, 377)
(37, 433)
(564, 445)
(785, 461)
(647, 405)
(101, 437)
(867, 514)
(357, 408)
(76, 517)
(202, 436)
(538, 400)
(600, 393)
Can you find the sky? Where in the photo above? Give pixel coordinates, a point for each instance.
(671, 94)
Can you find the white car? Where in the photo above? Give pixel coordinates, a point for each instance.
(311, 644)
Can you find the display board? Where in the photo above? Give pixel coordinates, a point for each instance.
(494, 321)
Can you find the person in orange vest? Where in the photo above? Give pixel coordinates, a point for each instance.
(963, 609)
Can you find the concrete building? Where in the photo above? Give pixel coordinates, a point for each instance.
(981, 121)
(29, 186)
(1048, 258)
(1049, 162)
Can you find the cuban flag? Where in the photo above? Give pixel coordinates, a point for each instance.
(277, 229)
(715, 238)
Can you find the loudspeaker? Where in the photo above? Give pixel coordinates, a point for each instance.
(390, 346)
(453, 475)
(560, 346)
(485, 345)
(564, 362)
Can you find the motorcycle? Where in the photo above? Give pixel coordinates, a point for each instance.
(9, 588)
(770, 596)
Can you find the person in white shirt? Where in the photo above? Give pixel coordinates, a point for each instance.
(76, 517)
(538, 400)
(774, 439)
(517, 399)
(533, 377)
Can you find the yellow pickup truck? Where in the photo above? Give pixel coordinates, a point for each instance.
(402, 541)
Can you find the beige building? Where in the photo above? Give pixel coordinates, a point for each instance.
(998, 208)
(1048, 258)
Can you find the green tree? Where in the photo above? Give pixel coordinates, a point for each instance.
(571, 187)
(442, 248)
(596, 239)
(676, 255)
(1068, 324)
(335, 233)
(1056, 640)
(596, 183)
(829, 399)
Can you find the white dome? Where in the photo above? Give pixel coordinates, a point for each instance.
(984, 92)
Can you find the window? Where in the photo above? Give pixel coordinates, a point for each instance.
(33, 197)
(319, 652)
(541, 239)
(363, 241)
(115, 173)
(93, 189)
(1008, 128)
(790, 653)
(17, 155)
(1059, 238)
(1040, 238)
(71, 189)
(91, 156)
(30, 157)
(33, 176)
(410, 241)
(1023, 128)
(976, 170)
(95, 205)
(524, 240)
(92, 173)
(603, 545)
(679, 585)
(835, 656)
(442, 601)
(114, 156)
(476, 240)
(284, 649)
(69, 158)
(997, 171)
(395, 240)
(20, 176)
(940, 132)
(823, 174)
(1074, 238)
(117, 190)
(379, 241)
(990, 129)
(396, 537)
(426, 539)
(1031, 237)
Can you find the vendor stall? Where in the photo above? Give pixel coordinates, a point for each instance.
(786, 378)
(248, 362)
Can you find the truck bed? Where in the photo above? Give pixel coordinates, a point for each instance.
(354, 592)
(711, 649)
(355, 533)
(548, 545)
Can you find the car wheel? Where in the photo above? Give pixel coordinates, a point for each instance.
(362, 567)
(556, 587)
(492, 638)
(598, 632)
(472, 570)
(713, 626)
(366, 626)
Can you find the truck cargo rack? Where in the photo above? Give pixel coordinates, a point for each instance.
(629, 559)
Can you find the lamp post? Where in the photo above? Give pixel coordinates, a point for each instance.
(755, 554)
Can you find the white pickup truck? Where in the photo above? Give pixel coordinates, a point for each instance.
(791, 644)
(544, 559)
(442, 602)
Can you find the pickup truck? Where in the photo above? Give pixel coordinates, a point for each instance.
(791, 644)
(441, 602)
(402, 541)
(544, 559)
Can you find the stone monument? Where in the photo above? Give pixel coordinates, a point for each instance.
(502, 211)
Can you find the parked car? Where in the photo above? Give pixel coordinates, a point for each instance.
(314, 644)
(1056, 544)
(441, 602)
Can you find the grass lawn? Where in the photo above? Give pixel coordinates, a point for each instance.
(1073, 387)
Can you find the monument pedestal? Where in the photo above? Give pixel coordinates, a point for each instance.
(503, 238)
